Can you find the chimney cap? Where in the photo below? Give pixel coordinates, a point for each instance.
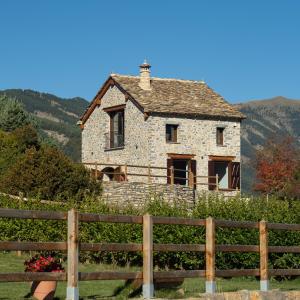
(145, 65)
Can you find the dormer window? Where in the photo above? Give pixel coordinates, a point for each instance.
(220, 136)
(171, 133)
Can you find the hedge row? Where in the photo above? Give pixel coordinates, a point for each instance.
(256, 209)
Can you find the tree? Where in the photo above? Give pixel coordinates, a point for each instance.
(48, 174)
(12, 114)
(277, 166)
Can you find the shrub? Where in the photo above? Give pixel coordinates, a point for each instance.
(272, 210)
(40, 170)
(48, 174)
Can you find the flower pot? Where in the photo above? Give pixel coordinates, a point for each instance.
(43, 290)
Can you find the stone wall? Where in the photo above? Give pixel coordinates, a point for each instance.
(196, 136)
(249, 295)
(145, 139)
(137, 193)
(135, 150)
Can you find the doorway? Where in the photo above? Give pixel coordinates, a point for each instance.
(184, 170)
(181, 171)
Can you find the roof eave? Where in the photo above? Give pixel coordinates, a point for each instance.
(97, 99)
(242, 117)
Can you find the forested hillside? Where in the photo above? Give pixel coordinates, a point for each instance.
(278, 117)
(56, 117)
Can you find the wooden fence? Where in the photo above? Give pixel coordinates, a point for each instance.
(150, 172)
(147, 276)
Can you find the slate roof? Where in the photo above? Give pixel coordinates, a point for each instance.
(175, 96)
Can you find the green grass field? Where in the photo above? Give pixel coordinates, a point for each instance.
(115, 289)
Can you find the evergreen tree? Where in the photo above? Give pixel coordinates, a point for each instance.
(13, 115)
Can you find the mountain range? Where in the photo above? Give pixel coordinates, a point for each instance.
(57, 117)
(277, 117)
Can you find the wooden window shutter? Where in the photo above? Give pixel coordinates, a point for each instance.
(211, 172)
(235, 175)
(194, 172)
(169, 165)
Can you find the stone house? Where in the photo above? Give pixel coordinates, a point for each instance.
(178, 126)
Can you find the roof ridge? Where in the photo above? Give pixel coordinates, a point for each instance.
(160, 78)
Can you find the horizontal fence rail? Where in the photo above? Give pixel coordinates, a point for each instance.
(147, 276)
(123, 171)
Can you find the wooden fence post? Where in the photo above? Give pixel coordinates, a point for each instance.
(217, 182)
(263, 253)
(210, 283)
(172, 175)
(190, 178)
(73, 252)
(148, 287)
(125, 172)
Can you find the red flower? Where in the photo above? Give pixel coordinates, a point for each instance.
(40, 263)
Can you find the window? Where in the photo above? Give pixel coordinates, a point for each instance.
(220, 136)
(171, 133)
(228, 174)
(116, 135)
(221, 168)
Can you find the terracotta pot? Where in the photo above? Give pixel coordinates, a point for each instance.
(43, 290)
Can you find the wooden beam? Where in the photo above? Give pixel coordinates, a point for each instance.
(146, 116)
(114, 108)
(112, 247)
(33, 246)
(282, 226)
(237, 248)
(284, 249)
(179, 274)
(110, 275)
(97, 99)
(284, 272)
(73, 253)
(210, 275)
(32, 214)
(148, 287)
(221, 158)
(181, 156)
(179, 221)
(179, 247)
(263, 253)
(33, 276)
(237, 273)
(89, 217)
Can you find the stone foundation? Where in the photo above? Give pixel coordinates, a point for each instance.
(250, 295)
(137, 193)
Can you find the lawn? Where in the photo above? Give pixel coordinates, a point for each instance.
(115, 289)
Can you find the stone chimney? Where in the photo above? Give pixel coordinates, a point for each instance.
(145, 81)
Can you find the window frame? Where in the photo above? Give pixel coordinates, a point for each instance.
(110, 143)
(233, 172)
(173, 133)
(220, 136)
(112, 129)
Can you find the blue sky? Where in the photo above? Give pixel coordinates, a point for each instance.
(243, 49)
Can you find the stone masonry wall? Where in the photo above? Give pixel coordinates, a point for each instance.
(135, 150)
(145, 141)
(195, 136)
(137, 193)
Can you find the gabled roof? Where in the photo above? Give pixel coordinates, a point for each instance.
(171, 96)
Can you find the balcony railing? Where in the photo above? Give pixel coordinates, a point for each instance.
(114, 141)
